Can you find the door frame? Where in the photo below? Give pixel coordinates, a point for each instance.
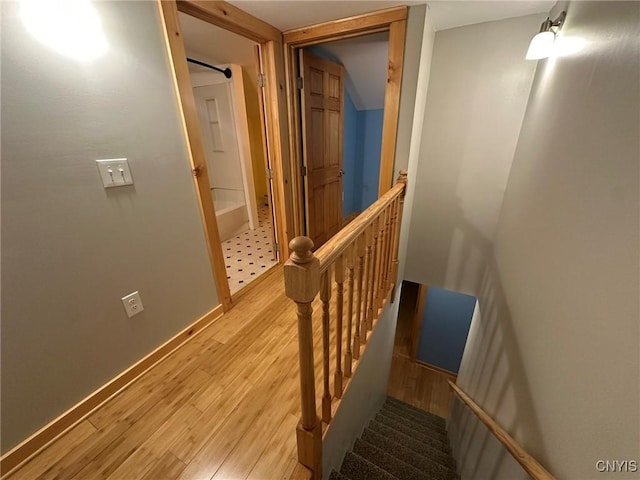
(392, 20)
(269, 38)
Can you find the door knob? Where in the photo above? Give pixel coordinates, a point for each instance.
(341, 173)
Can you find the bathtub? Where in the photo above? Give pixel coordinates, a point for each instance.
(232, 218)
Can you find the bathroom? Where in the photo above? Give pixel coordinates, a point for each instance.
(224, 75)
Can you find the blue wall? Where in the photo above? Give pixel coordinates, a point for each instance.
(445, 326)
(351, 200)
(370, 139)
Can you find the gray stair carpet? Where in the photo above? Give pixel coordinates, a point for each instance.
(401, 443)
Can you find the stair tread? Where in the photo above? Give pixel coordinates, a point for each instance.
(417, 411)
(432, 423)
(416, 445)
(414, 433)
(337, 476)
(357, 468)
(388, 462)
(434, 469)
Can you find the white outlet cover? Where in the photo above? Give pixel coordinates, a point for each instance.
(115, 172)
(132, 304)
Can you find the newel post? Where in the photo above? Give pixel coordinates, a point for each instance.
(402, 178)
(302, 283)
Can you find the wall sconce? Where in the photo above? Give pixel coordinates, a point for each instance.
(541, 45)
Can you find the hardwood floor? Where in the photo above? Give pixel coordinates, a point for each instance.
(223, 406)
(409, 381)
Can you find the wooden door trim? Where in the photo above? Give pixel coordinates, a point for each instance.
(416, 326)
(231, 18)
(392, 20)
(182, 83)
(345, 27)
(237, 21)
(397, 32)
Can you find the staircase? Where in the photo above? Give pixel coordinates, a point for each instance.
(401, 443)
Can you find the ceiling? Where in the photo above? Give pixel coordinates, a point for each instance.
(364, 58)
(290, 14)
(451, 14)
(365, 62)
(215, 45)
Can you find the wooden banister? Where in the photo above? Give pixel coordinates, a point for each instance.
(333, 248)
(363, 253)
(302, 283)
(528, 463)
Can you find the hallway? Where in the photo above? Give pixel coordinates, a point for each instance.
(225, 405)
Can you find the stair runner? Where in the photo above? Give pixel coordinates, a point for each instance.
(401, 443)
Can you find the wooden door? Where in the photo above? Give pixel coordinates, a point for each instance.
(322, 102)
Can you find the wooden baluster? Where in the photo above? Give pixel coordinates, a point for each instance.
(361, 246)
(339, 274)
(325, 296)
(348, 356)
(402, 178)
(392, 236)
(302, 282)
(387, 250)
(383, 255)
(375, 245)
(381, 225)
(366, 305)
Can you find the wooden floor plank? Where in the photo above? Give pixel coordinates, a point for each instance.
(155, 448)
(224, 405)
(276, 458)
(51, 455)
(412, 382)
(168, 468)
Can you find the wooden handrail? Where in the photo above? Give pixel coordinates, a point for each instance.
(367, 251)
(528, 463)
(332, 249)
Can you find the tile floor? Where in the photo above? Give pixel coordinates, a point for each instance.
(250, 254)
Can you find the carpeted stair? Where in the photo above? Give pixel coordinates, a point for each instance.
(401, 443)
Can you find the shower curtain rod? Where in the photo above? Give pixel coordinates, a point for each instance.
(226, 71)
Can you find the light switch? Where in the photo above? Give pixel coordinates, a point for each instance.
(115, 172)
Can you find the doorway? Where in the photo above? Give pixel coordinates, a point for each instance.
(363, 60)
(392, 23)
(224, 72)
(268, 38)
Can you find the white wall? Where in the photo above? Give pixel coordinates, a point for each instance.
(70, 248)
(366, 392)
(477, 95)
(567, 256)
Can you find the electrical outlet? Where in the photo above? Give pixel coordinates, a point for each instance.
(132, 304)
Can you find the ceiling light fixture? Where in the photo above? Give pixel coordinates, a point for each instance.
(541, 45)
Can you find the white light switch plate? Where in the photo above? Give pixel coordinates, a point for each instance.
(132, 304)
(115, 172)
